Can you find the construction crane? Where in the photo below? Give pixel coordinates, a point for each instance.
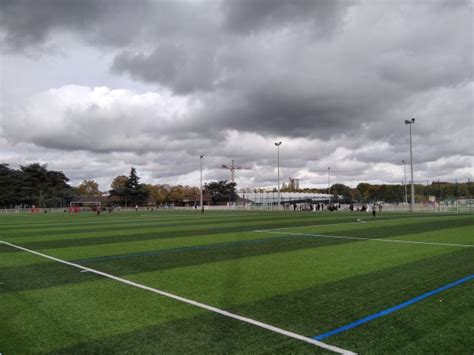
(232, 169)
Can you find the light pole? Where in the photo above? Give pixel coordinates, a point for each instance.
(412, 203)
(277, 144)
(200, 203)
(405, 180)
(329, 183)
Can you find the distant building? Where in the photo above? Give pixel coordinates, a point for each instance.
(293, 184)
(270, 198)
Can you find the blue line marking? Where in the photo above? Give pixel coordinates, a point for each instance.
(393, 309)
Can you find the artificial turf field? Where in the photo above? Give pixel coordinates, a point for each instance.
(307, 273)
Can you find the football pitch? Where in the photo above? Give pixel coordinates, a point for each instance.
(236, 282)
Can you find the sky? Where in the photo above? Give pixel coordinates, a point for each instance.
(94, 87)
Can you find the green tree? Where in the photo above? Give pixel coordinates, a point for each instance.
(10, 184)
(138, 192)
(130, 189)
(33, 184)
(221, 191)
(341, 190)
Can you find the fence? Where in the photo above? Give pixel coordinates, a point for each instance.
(461, 206)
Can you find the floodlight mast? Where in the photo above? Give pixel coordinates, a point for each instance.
(200, 201)
(405, 180)
(412, 203)
(329, 184)
(277, 144)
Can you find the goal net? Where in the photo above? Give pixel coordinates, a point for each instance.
(84, 206)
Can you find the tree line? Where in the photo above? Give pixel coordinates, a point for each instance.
(364, 192)
(128, 191)
(36, 185)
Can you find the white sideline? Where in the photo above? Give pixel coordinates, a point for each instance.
(272, 231)
(355, 222)
(194, 303)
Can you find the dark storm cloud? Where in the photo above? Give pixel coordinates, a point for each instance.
(286, 82)
(28, 23)
(334, 80)
(171, 65)
(249, 15)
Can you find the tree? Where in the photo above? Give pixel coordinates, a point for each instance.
(89, 188)
(341, 190)
(138, 192)
(10, 185)
(33, 184)
(119, 183)
(120, 189)
(158, 193)
(176, 194)
(221, 191)
(130, 189)
(364, 191)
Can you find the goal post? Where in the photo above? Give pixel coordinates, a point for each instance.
(84, 206)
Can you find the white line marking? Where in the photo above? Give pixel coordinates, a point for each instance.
(361, 238)
(357, 222)
(194, 303)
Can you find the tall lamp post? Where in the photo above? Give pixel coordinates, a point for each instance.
(277, 144)
(412, 203)
(405, 180)
(200, 200)
(329, 183)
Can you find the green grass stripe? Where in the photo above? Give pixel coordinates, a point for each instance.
(31, 270)
(323, 307)
(113, 225)
(204, 334)
(439, 325)
(253, 278)
(303, 310)
(138, 257)
(24, 230)
(47, 319)
(137, 226)
(126, 235)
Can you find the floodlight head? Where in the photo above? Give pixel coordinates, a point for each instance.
(278, 144)
(202, 156)
(410, 121)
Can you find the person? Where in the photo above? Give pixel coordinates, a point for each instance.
(373, 210)
(136, 208)
(202, 209)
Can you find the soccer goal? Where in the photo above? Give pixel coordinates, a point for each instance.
(84, 206)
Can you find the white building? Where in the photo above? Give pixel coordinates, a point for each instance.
(269, 198)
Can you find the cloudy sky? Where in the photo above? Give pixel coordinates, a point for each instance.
(93, 87)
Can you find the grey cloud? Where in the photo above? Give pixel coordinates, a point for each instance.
(29, 23)
(172, 65)
(320, 75)
(111, 23)
(248, 15)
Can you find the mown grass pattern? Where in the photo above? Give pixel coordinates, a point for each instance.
(305, 284)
